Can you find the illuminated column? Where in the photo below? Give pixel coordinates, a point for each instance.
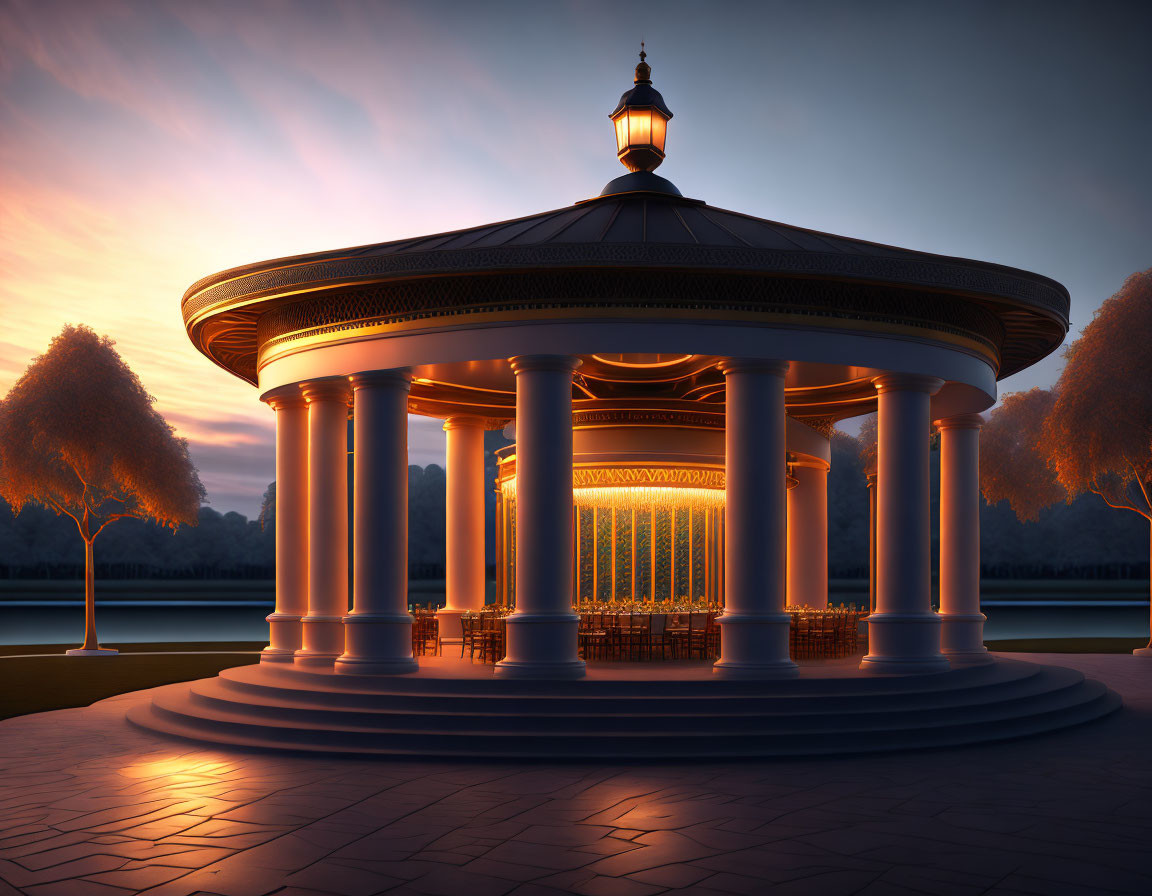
(691, 557)
(808, 537)
(542, 631)
(961, 622)
(576, 554)
(632, 556)
(652, 554)
(291, 526)
(378, 631)
(871, 478)
(903, 633)
(322, 638)
(613, 553)
(595, 553)
(754, 627)
(708, 556)
(501, 585)
(464, 523)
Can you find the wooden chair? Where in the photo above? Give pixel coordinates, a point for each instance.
(697, 633)
(712, 636)
(657, 636)
(803, 635)
(676, 632)
(639, 636)
(468, 625)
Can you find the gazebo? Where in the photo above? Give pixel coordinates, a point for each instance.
(661, 361)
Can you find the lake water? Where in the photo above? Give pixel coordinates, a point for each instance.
(53, 623)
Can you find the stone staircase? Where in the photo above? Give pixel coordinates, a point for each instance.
(271, 707)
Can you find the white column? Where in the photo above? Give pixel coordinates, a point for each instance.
(962, 623)
(903, 633)
(542, 631)
(808, 537)
(871, 480)
(379, 629)
(464, 532)
(323, 627)
(291, 525)
(754, 626)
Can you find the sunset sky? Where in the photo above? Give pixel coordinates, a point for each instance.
(144, 145)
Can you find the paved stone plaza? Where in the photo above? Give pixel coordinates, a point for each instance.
(94, 807)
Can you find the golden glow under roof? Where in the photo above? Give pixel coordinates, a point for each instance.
(637, 497)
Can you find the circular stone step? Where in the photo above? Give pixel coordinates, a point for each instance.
(271, 707)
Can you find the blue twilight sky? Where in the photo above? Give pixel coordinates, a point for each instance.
(146, 144)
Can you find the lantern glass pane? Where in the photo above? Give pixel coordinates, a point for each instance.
(659, 130)
(639, 126)
(621, 132)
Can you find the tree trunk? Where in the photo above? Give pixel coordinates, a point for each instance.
(1149, 647)
(90, 641)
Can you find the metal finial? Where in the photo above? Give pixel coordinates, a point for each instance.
(643, 70)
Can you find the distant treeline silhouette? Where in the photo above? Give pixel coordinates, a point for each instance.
(1084, 539)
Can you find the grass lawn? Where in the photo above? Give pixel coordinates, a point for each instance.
(39, 683)
(30, 683)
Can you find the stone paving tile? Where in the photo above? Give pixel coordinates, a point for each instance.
(90, 806)
(614, 886)
(609, 846)
(674, 876)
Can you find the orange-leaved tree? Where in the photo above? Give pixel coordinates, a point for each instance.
(867, 442)
(79, 435)
(1015, 456)
(1099, 432)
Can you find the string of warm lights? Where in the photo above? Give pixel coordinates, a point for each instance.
(636, 497)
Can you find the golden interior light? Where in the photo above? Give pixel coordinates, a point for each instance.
(639, 126)
(641, 132)
(659, 129)
(633, 497)
(636, 497)
(638, 360)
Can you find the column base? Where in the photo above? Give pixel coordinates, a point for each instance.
(888, 665)
(277, 655)
(540, 671)
(1143, 651)
(377, 644)
(904, 644)
(323, 639)
(968, 657)
(283, 638)
(541, 646)
(754, 645)
(779, 669)
(359, 666)
(962, 638)
(99, 651)
(305, 658)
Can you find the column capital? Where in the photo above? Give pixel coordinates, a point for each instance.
(284, 397)
(907, 382)
(462, 421)
(960, 421)
(399, 376)
(329, 389)
(752, 365)
(567, 363)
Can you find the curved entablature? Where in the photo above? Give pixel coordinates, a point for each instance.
(630, 254)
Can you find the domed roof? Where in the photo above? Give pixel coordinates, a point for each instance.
(636, 245)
